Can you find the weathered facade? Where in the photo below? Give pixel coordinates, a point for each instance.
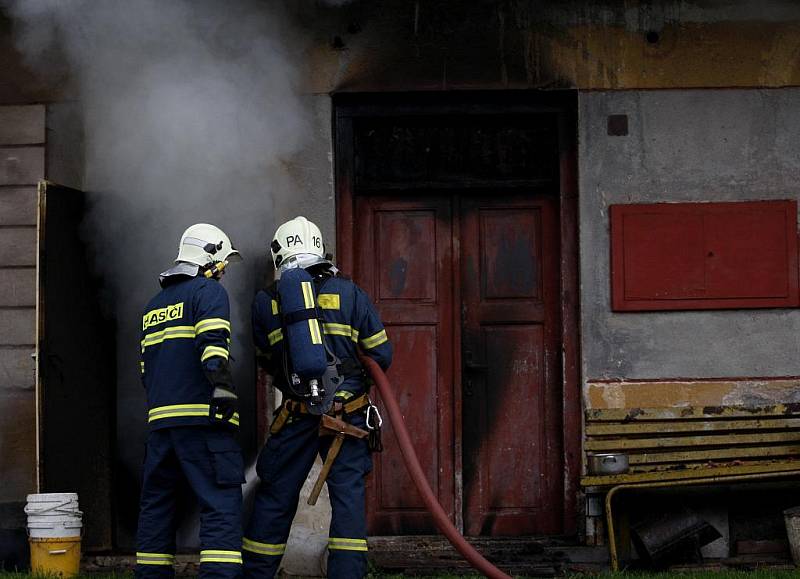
(407, 102)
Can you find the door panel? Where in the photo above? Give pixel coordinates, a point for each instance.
(405, 264)
(515, 352)
(504, 250)
(510, 328)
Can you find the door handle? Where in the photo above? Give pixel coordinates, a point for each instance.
(476, 367)
(470, 364)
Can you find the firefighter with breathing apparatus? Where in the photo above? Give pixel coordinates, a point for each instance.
(185, 345)
(307, 327)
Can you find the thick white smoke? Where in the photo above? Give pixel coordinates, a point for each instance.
(189, 114)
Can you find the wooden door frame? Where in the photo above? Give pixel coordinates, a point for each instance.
(347, 106)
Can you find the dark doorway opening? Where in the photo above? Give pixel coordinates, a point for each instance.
(76, 367)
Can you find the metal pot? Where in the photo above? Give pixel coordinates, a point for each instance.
(608, 463)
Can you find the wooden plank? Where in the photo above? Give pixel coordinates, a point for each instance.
(18, 246)
(18, 459)
(636, 428)
(688, 474)
(688, 413)
(21, 165)
(686, 456)
(17, 368)
(18, 327)
(22, 125)
(18, 287)
(683, 441)
(18, 205)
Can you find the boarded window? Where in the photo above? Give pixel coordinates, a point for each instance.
(691, 256)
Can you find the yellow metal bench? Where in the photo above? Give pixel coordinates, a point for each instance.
(683, 446)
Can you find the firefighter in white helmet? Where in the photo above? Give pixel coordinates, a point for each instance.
(297, 243)
(327, 314)
(185, 344)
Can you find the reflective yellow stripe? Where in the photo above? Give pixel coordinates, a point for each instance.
(335, 329)
(155, 559)
(167, 334)
(141, 367)
(212, 324)
(213, 351)
(162, 315)
(272, 549)
(374, 341)
(275, 336)
(216, 556)
(313, 327)
(184, 410)
(347, 544)
(343, 395)
(274, 308)
(328, 301)
(308, 293)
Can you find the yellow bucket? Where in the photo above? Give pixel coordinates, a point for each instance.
(55, 555)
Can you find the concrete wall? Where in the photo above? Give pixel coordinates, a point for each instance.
(694, 145)
(452, 44)
(22, 137)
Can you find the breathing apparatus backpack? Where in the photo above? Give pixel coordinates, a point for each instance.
(311, 369)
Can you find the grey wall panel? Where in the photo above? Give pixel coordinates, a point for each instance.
(21, 165)
(18, 206)
(18, 287)
(18, 459)
(694, 145)
(17, 246)
(19, 327)
(17, 368)
(22, 125)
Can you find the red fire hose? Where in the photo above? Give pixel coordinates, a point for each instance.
(412, 463)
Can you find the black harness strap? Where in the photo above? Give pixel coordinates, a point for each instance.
(299, 316)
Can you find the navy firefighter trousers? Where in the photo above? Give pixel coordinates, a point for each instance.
(210, 460)
(283, 466)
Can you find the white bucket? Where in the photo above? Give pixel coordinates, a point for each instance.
(53, 515)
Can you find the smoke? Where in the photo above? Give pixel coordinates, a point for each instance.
(190, 114)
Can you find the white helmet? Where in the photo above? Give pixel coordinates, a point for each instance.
(203, 244)
(296, 237)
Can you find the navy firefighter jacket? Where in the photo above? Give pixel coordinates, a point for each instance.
(185, 335)
(348, 320)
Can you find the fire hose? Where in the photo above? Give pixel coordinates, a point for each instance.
(415, 470)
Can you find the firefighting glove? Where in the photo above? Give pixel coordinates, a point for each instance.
(223, 405)
(223, 397)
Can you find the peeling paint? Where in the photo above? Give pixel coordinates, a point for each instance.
(707, 393)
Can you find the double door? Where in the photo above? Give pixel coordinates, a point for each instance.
(468, 287)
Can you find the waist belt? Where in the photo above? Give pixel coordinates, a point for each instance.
(290, 407)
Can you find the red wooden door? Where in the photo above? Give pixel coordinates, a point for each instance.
(502, 322)
(513, 461)
(404, 263)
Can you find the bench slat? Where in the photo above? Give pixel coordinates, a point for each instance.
(682, 441)
(702, 456)
(691, 473)
(654, 427)
(689, 413)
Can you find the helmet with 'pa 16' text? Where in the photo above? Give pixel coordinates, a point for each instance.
(296, 237)
(204, 245)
